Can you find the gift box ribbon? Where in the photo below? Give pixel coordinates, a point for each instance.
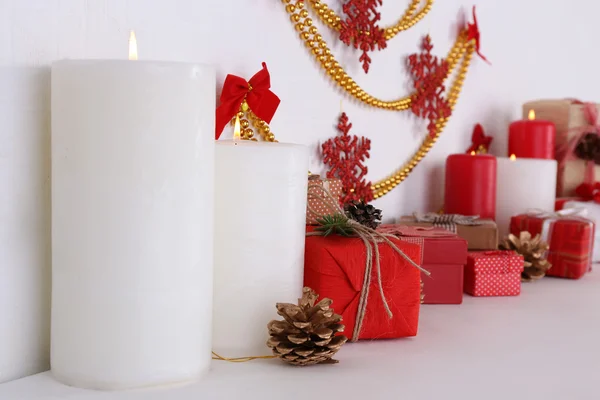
(447, 221)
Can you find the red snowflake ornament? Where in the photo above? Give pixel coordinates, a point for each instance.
(360, 28)
(429, 73)
(345, 156)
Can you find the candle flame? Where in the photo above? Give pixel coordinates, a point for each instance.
(133, 53)
(513, 157)
(236, 129)
(531, 115)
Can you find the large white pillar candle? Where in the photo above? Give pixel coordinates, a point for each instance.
(523, 184)
(260, 223)
(132, 209)
(24, 222)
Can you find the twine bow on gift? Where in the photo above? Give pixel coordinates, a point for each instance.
(371, 238)
(447, 221)
(566, 152)
(262, 101)
(474, 34)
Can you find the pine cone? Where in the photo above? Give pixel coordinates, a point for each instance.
(533, 251)
(307, 335)
(588, 147)
(363, 213)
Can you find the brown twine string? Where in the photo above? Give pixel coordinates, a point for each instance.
(216, 356)
(371, 238)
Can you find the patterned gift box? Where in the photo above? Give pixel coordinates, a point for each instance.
(493, 273)
(317, 203)
(571, 240)
(335, 266)
(444, 257)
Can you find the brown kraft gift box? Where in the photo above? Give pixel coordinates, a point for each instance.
(482, 236)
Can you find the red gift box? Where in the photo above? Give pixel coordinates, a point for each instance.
(493, 273)
(334, 267)
(444, 256)
(571, 241)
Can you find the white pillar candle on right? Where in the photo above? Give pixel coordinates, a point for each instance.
(260, 229)
(523, 184)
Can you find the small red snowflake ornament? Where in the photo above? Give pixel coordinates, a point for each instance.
(429, 73)
(360, 28)
(345, 155)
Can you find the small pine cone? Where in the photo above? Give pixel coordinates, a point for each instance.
(307, 335)
(533, 250)
(588, 147)
(364, 214)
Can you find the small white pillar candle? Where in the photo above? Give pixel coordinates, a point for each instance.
(24, 222)
(260, 225)
(523, 184)
(132, 210)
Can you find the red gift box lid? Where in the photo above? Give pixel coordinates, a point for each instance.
(440, 246)
(496, 262)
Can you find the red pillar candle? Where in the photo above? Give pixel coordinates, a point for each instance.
(532, 138)
(471, 185)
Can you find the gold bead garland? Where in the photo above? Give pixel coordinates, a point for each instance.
(322, 53)
(248, 120)
(462, 49)
(384, 186)
(408, 20)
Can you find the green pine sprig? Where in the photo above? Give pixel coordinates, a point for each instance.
(335, 223)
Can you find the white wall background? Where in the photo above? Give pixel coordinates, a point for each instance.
(538, 49)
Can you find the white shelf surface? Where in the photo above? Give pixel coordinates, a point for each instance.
(544, 344)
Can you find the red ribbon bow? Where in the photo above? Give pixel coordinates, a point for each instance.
(473, 33)
(479, 139)
(260, 99)
(589, 191)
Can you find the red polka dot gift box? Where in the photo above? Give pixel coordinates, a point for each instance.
(318, 202)
(493, 273)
